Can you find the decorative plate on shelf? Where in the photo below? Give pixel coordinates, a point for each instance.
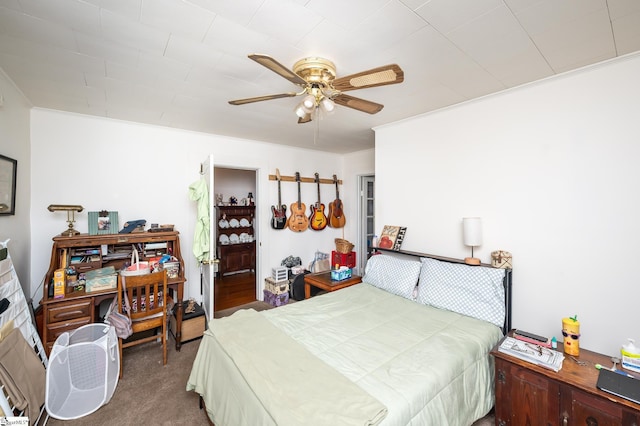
(234, 223)
(244, 222)
(223, 223)
(234, 239)
(223, 239)
(244, 237)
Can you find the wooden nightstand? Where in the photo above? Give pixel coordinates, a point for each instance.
(323, 280)
(527, 394)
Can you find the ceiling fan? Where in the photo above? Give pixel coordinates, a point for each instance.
(322, 90)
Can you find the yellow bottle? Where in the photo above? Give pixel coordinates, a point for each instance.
(571, 335)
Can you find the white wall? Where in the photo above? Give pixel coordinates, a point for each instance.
(14, 143)
(552, 169)
(234, 182)
(143, 172)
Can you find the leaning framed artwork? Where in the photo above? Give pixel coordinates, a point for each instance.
(103, 222)
(8, 173)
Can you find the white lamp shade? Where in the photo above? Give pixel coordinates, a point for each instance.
(309, 102)
(472, 231)
(327, 104)
(300, 111)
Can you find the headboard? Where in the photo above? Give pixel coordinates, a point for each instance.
(507, 282)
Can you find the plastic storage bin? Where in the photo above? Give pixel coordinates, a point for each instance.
(83, 371)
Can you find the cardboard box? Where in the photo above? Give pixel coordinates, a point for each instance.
(276, 287)
(59, 283)
(172, 268)
(193, 324)
(101, 279)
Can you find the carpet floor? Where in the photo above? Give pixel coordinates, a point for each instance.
(152, 394)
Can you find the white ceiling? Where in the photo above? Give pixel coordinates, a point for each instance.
(177, 62)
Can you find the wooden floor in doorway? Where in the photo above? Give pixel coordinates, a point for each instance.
(234, 290)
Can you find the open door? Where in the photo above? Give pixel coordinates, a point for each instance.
(208, 266)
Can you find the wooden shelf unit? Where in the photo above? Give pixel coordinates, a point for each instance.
(238, 256)
(78, 307)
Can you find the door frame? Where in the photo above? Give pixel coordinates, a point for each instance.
(364, 238)
(256, 220)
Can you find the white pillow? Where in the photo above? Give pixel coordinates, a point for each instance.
(395, 275)
(475, 291)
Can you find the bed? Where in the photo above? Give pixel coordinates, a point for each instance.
(408, 346)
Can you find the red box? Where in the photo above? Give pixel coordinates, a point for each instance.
(343, 259)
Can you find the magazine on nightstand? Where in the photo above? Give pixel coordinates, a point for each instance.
(536, 354)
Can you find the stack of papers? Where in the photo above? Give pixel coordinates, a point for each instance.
(536, 354)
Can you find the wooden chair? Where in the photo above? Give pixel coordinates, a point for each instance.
(147, 314)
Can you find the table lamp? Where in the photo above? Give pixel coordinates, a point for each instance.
(70, 209)
(472, 236)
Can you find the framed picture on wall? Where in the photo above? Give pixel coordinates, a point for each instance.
(8, 173)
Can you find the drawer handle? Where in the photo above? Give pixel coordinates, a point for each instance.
(502, 377)
(70, 314)
(591, 421)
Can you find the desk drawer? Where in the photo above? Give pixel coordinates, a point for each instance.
(65, 311)
(56, 329)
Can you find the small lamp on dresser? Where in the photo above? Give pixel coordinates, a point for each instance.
(472, 236)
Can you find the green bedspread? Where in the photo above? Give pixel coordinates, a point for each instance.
(356, 356)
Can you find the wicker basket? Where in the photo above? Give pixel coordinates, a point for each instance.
(343, 246)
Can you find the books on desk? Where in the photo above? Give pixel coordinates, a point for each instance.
(536, 354)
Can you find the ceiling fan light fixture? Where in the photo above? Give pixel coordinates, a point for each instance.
(300, 111)
(309, 102)
(327, 104)
(321, 89)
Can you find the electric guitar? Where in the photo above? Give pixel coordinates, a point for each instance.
(298, 221)
(317, 219)
(279, 219)
(337, 218)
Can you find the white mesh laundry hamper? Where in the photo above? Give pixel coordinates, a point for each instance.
(83, 371)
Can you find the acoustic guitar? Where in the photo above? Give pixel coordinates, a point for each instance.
(317, 219)
(298, 221)
(279, 219)
(337, 218)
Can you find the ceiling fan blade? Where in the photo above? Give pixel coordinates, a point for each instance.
(381, 76)
(262, 98)
(278, 68)
(305, 119)
(357, 103)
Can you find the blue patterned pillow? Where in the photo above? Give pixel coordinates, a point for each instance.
(393, 274)
(475, 291)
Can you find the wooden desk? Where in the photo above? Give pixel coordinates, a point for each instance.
(79, 308)
(323, 281)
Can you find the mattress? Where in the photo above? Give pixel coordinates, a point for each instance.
(422, 365)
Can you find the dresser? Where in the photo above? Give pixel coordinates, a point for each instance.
(527, 394)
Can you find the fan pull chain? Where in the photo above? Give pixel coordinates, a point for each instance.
(316, 132)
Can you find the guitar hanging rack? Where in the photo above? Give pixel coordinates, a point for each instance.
(304, 179)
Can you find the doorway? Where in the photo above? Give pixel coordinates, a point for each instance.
(236, 234)
(366, 223)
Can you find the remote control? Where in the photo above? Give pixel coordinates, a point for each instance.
(532, 338)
